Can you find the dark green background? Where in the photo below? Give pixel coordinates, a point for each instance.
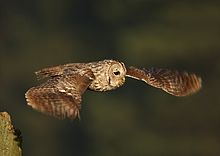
(135, 119)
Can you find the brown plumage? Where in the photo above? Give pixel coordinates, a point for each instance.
(61, 95)
(173, 82)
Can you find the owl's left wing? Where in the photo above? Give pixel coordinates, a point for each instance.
(173, 82)
(60, 96)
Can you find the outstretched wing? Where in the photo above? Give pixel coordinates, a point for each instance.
(173, 82)
(58, 70)
(49, 72)
(60, 96)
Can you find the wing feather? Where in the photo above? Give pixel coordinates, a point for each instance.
(59, 70)
(60, 96)
(173, 82)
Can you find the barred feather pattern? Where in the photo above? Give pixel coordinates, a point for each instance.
(61, 95)
(173, 82)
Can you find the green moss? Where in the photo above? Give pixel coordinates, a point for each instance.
(10, 144)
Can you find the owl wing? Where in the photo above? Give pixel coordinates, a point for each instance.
(60, 96)
(173, 82)
(49, 72)
(59, 70)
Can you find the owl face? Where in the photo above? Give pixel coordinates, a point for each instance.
(116, 74)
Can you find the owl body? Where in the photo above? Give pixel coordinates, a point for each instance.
(103, 71)
(61, 95)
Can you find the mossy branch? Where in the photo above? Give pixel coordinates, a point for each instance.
(10, 138)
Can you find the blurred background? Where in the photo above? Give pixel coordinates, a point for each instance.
(135, 119)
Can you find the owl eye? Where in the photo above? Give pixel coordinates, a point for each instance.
(117, 73)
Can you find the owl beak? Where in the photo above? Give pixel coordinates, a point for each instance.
(123, 79)
(121, 82)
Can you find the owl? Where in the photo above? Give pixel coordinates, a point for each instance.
(61, 95)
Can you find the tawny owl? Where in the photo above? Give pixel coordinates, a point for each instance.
(61, 95)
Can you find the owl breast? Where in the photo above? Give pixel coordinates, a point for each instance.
(99, 84)
(101, 81)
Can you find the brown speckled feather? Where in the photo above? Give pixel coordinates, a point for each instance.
(59, 70)
(60, 96)
(173, 82)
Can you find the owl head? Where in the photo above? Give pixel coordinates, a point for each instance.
(116, 74)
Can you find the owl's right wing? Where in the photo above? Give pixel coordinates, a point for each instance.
(59, 70)
(173, 82)
(60, 96)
